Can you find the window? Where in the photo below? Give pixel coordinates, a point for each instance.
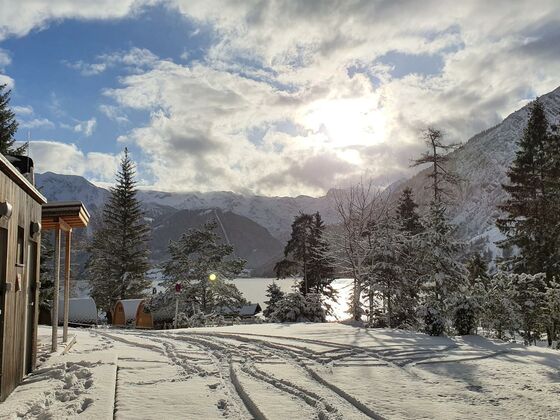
(20, 248)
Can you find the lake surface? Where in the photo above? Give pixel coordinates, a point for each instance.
(254, 290)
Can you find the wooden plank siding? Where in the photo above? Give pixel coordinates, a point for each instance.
(19, 279)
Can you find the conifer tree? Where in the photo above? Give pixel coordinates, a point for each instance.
(406, 213)
(8, 126)
(477, 268)
(275, 295)
(307, 254)
(532, 218)
(442, 273)
(119, 251)
(194, 257)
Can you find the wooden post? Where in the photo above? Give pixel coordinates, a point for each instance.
(67, 284)
(54, 314)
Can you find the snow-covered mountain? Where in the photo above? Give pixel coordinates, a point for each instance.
(482, 163)
(274, 213)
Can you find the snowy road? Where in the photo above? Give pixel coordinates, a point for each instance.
(303, 371)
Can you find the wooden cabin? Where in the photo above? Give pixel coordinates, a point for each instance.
(132, 312)
(20, 244)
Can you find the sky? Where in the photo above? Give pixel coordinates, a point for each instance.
(266, 97)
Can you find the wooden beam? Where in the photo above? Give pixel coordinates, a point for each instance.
(63, 225)
(54, 314)
(67, 284)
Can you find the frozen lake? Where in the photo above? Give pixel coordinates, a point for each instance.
(254, 290)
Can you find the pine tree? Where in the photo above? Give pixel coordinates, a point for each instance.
(551, 310)
(526, 291)
(119, 251)
(477, 268)
(442, 274)
(406, 213)
(275, 295)
(531, 222)
(307, 254)
(194, 257)
(8, 126)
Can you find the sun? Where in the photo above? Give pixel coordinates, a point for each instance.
(347, 122)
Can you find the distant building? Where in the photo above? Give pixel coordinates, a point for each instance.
(20, 244)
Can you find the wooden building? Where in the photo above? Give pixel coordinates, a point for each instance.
(62, 217)
(20, 244)
(133, 313)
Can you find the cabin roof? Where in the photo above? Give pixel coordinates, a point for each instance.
(72, 214)
(251, 309)
(80, 310)
(130, 307)
(15, 175)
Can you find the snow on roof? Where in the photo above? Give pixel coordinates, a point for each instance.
(80, 311)
(130, 307)
(246, 310)
(250, 310)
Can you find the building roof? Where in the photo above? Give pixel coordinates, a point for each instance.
(130, 307)
(250, 310)
(15, 175)
(246, 310)
(80, 311)
(71, 213)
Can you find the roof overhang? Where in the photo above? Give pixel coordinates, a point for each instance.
(11, 172)
(64, 215)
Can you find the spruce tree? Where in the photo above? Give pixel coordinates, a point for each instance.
(531, 221)
(8, 126)
(194, 257)
(307, 254)
(406, 213)
(442, 274)
(275, 295)
(119, 251)
(477, 268)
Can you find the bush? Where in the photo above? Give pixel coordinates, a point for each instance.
(295, 307)
(464, 318)
(434, 323)
(465, 312)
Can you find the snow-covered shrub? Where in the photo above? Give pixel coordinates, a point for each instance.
(465, 313)
(434, 321)
(499, 312)
(295, 307)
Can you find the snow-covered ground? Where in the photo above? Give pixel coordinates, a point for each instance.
(288, 371)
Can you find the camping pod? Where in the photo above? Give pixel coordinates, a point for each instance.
(81, 311)
(132, 312)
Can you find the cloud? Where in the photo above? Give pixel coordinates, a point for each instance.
(36, 123)
(7, 80)
(133, 60)
(5, 59)
(23, 110)
(18, 18)
(298, 96)
(86, 127)
(63, 158)
(113, 113)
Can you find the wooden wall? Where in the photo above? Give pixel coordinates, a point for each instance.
(18, 299)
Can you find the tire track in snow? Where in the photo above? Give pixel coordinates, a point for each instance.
(289, 388)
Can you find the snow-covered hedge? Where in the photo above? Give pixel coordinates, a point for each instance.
(295, 307)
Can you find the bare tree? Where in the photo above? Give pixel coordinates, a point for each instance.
(438, 156)
(358, 208)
